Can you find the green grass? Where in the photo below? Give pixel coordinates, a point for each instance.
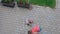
(50, 3)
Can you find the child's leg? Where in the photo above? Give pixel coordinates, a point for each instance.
(29, 32)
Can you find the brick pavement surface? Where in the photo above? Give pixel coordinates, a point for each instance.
(12, 20)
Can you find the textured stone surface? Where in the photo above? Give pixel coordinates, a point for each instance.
(12, 20)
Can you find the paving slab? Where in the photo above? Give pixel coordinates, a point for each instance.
(12, 20)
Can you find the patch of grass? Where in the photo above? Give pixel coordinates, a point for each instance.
(22, 1)
(50, 3)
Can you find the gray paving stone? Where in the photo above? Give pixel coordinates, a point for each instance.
(12, 20)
